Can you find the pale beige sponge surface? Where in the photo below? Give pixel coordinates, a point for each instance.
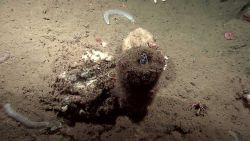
(138, 37)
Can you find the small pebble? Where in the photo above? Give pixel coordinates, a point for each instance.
(4, 56)
(247, 97)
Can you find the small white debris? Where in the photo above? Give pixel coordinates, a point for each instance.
(81, 112)
(66, 99)
(74, 65)
(90, 82)
(155, 1)
(62, 75)
(104, 44)
(64, 108)
(79, 85)
(166, 58)
(165, 66)
(67, 77)
(96, 56)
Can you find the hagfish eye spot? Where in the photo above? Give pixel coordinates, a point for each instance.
(143, 58)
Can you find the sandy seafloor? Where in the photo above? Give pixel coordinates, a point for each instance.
(206, 67)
